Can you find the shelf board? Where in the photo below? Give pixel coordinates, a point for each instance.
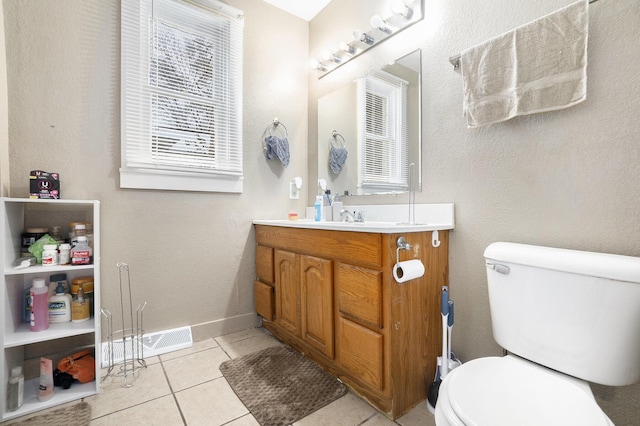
(39, 269)
(61, 396)
(24, 336)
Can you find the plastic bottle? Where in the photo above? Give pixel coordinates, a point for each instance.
(81, 254)
(79, 230)
(60, 306)
(64, 257)
(45, 390)
(39, 295)
(318, 208)
(50, 254)
(80, 307)
(15, 389)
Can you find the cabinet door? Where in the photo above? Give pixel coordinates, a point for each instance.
(317, 303)
(360, 352)
(287, 291)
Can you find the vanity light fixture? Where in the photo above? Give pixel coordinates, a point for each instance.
(328, 55)
(363, 37)
(403, 14)
(381, 24)
(314, 64)
(400, 8)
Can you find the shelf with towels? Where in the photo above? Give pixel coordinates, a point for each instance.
(455, 59)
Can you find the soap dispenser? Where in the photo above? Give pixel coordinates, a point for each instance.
(60, 305)
(318, 208)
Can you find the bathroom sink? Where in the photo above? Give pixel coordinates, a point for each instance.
(383, 227)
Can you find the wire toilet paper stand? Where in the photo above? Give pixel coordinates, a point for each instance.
(125, 349)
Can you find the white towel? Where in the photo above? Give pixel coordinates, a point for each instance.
(540, 66)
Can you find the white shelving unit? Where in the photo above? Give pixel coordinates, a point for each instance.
(20, 346)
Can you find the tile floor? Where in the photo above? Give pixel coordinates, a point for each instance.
(187, 388)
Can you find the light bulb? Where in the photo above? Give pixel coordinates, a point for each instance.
(347, 48)
(379, 23)
(400, 8)
(363, 37)
(327, 55)
(314, 64)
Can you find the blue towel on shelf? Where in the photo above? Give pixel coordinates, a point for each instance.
(277, 148)
(337, 158)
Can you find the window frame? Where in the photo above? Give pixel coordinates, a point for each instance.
(137, 111)
(394, 92)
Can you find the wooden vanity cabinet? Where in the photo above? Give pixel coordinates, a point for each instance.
(332, 296)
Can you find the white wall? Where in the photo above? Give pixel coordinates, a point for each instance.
(191, 255)
(568, 179)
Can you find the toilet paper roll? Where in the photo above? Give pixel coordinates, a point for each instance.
(408, 270)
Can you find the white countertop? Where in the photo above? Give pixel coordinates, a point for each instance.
(367, 226)
(429, 217)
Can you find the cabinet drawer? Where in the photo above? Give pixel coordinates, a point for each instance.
(264, 264)
(265, 300)
(361, 353)
(360, 293)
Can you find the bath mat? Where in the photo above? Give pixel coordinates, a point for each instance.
(280, 386)
(73, 415)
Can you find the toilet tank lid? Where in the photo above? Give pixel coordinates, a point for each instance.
(602, 265)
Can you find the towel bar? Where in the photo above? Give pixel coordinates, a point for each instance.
(455, 59)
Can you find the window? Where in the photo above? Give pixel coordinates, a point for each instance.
(382, 134)
(181, 95)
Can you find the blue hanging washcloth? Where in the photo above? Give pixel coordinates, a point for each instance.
(337, 158)
(276, 147)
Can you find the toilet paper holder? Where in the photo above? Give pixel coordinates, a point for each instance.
(401, 244)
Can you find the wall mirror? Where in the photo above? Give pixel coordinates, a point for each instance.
(369, 132)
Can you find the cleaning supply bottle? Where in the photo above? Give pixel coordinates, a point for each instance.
(45, 390)
(39, 295)
(80, 308)
(81, 253)
(15, 389)
(60, 305)
(318, 208)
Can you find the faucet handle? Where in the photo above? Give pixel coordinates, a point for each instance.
(360, 216)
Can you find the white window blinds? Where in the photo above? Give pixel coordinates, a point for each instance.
(181, 95)
(382, 134)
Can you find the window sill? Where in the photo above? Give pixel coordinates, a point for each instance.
(179, 181)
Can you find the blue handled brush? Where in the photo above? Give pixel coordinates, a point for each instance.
(442, 365)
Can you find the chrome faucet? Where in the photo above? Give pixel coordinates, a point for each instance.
(347, 216)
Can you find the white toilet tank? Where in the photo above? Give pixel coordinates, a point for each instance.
(573, 311)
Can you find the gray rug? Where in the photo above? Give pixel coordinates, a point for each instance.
(74, 415)
(280, 386)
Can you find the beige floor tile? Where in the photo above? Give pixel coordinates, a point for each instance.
(379, 419)
(250, 345)
(211, 403)
(241, 335)
(194, 369)
(197, 347)
(246, 420)
(150, 384)
(419, 415)
(346, 411)
(161, 411)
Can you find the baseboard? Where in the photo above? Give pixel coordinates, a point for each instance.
(223, 326)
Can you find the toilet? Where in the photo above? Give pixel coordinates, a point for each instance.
(566, 318)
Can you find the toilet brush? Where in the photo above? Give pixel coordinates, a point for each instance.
(442, 364)
(453, 360)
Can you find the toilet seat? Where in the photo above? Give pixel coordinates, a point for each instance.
(510, 391)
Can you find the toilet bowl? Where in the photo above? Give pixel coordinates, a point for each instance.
(511, 391)
(563, 316)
